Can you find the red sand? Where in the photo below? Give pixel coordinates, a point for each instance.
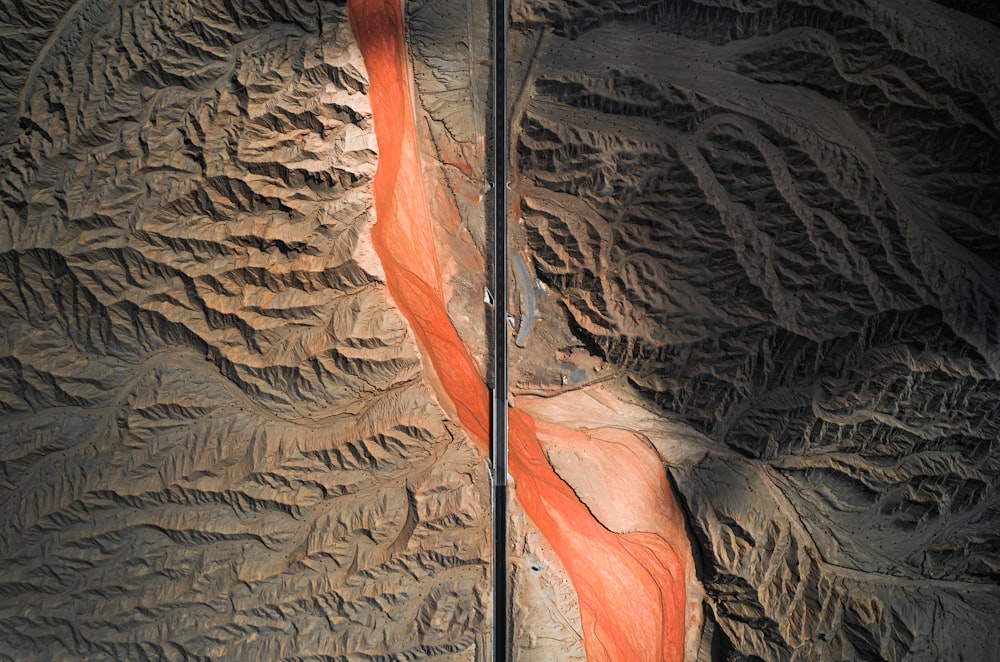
(630, 586)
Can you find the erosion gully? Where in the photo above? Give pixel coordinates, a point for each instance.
(630, 586)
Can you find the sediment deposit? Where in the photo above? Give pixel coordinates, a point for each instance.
(218, 441)
(755, 278)
(775, 225)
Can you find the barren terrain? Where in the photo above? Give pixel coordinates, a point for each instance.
(755, 276)
(775, 226)
(217, 439)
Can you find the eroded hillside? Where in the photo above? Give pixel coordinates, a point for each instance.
(756, 281)
(777, 223)
(217, 438)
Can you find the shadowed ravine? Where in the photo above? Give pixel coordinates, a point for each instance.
(630, 585)
(754, 259)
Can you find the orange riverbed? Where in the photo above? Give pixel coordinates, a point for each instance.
(630, 586)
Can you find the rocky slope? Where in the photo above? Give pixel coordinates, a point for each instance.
(776, 223)
(216, 439)
(755, 242)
